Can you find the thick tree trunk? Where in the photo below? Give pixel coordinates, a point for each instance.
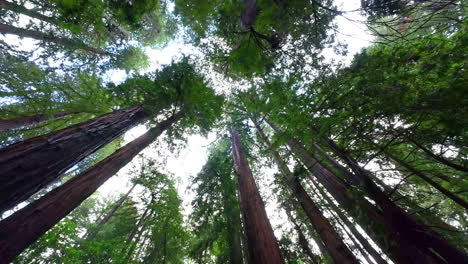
(19, 9)
(358, 207)
(332, 240)
(407, 227)
(67, 43)
(24, 227)
(263, 246)
(438, 158)
(25, 121)
(109, 215)
(30, 165)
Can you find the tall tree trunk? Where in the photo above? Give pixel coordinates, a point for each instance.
(438, 158)
(24, 227)
(302, 239)
(263, 246)
(24, 121)
(407, 227)
(358, 207)
(30, 165)
(19, 9)
(332, 240)
(233, 230)
(70, 44)
(109, 215)
(426, 178)
(365, 243)
(134, 233)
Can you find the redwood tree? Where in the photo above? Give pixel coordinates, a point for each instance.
(261, 241)
(28, 166)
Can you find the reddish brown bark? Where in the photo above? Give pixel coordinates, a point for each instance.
(332, 240)
(24, 121)
(24, 227)
(373, 220)
(407, 227)
(30, 165)
(261, 241)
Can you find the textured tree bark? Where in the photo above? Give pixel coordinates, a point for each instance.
(67, 43)
(25, 226)
(24, 121)
(109, 215)
(407, 227)
(263, 246)
(332, 240)
(302, 239)
(30, 165)
(373, 220)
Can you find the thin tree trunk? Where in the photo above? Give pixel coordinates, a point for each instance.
(24, 121)
(263, 246)
(358, 207)
(30, 165)
(65, 42)
(24, 227)
(109, 215)
(139, 226)
(439, 158)
(365, 243)
(234, 227)
(332, 240)
(302, 239)
(426, 178)
(19, 9)
(407, 227)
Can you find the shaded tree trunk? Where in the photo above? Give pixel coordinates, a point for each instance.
(302, 239)
(263, 246)
(19, 9)
(109, 215)
(407, 227)
(234, 236)
(30, 165)
(427, 179)
(24, 121)
(25, 226)
(332, 240)
(438, 158)
(70, 44)
(364, 212)
(365, 243)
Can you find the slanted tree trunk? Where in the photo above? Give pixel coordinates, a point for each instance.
(438, 158)
(263, 246)
(332, 240)
(19, 9)
(407, 227)
(365, 243)
(70, 44)
(427, 179)
(109, 215)
(358, 207)
(303, 240)
(25, 121)
(30, 165)
(25, 226)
